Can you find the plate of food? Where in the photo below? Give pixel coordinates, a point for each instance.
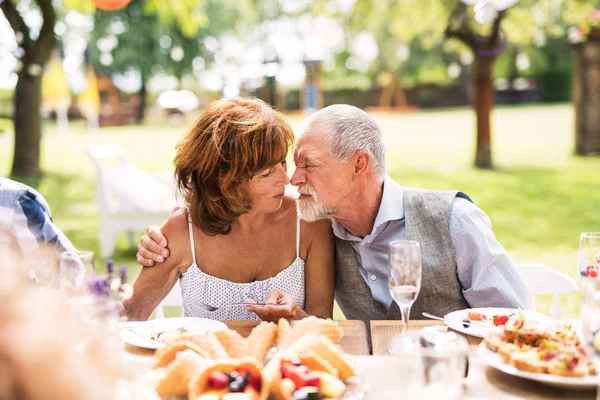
(479, 322)
(308, 364)
(551, 354)
(155, 333)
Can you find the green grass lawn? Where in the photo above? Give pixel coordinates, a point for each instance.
(539, 198)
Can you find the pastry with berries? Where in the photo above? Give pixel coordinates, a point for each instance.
(174, 379)
(229, 380)
(296, 380)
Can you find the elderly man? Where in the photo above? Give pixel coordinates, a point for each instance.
(340, 174)
(29, 238)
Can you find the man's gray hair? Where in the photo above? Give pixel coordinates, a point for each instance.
(348, 130)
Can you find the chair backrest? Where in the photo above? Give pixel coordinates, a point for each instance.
(105, 157)
(124, 186)
(173, 299)
(541, 279)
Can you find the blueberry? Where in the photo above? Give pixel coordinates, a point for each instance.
(300, 395)
(233, 375)
(245, 378)
(303, 369)
(297, 362)
(238, 385)
(316, 395)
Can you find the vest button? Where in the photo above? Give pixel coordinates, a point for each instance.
(373, 278)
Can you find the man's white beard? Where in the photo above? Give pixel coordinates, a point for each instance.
(312, 210)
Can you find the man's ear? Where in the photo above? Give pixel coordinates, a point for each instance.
(361, 162)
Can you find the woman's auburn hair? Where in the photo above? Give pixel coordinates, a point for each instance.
(231, 141)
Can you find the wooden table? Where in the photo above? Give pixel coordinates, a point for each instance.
(382, 333)
(482, 382)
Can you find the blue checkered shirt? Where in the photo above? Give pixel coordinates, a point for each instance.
(26, 227)
(486, 273)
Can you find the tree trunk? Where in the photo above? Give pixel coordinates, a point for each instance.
(385, 98)
(483, 100)
(26, 119)
(141, 111)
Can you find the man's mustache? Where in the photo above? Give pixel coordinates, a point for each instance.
(307, 190)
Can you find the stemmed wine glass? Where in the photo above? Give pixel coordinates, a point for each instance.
(405, 275)
(589, 254)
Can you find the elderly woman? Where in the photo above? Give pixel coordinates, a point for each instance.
(240, 238)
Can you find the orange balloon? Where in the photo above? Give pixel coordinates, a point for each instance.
(109, 5)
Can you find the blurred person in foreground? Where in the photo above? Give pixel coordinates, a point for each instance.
(239, 239)
(341, 176)
(47, 352)
(26, 227)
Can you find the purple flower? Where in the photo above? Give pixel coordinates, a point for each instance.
(99, 287)
(123, 274)
(110, 267)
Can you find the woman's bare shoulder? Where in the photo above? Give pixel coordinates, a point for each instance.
(322, 226)
(176, 223)
(176, 230)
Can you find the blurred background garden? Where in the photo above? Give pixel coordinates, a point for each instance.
(498, 98)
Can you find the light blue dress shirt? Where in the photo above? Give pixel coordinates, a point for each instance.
(486, 273)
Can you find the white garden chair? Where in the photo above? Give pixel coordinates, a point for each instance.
(173, 299)
(128, 198)
(541, 279)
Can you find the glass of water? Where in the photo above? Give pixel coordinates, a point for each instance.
(405, 275)
(432, 363)
(590, 318)
(76, 268)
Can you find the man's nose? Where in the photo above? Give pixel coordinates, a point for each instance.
(298, 178)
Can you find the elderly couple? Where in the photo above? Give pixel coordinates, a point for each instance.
(240, 239)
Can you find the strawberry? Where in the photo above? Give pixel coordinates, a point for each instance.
(313, 379)
(255, 382)
(591, 270)
(286, 369)
(299, 378)
(500, 319)
(218, 380)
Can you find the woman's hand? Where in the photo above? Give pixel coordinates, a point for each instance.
(278, 305)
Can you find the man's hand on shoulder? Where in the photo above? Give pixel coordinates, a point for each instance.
(153, 245)
(152, 248)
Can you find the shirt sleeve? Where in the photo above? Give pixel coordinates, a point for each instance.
(487, 274)
(38, 237)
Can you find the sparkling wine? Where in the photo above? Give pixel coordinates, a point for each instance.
(404, 294)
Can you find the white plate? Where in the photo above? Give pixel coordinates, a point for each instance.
(140, 333)
(481, 328)
(495, 361)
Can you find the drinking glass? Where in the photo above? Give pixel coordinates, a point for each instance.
(590, 318)
(76, 268)
(405, 275)
(589, 255)
(432, 363)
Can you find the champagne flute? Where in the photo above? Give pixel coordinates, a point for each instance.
(405, 275)
(589, 254)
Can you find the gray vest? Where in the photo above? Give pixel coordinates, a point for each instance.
(427, 220)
